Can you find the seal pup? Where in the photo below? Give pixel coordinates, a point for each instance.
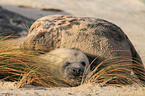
(72, 65)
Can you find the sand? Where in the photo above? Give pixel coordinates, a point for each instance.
(128, 14)
(83, 90)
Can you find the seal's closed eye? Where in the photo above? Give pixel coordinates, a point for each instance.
(83, 63)
(67, 64)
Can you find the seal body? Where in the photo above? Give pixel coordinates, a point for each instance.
(70, 64)
(93, 36)
(99, 39)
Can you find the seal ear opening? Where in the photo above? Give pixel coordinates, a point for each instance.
(138, 67)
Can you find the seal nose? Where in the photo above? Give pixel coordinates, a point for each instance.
(77, 71)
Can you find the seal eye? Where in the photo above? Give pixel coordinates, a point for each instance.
(67, 63)
(83, 63)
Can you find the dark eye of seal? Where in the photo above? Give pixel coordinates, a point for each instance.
(67, 63)
(83, 63)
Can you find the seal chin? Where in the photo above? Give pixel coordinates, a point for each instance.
(75, 80)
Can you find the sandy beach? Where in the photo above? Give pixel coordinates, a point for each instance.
(11, 89)
(128, 14)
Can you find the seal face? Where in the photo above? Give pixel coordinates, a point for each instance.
(71, 64)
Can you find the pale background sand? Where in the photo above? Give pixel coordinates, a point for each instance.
(128, 14)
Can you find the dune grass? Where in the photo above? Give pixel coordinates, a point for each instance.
(22, 67)
(117, 71)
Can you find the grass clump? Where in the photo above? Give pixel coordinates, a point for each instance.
(114, 71)
(21, 67)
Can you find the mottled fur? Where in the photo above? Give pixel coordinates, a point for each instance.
(95, 37)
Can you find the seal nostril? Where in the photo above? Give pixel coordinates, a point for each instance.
(77, 71)
(74, 70)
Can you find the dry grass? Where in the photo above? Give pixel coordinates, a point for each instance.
(22, 67)
(115, 72)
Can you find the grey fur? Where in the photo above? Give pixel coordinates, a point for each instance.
(70, 64)
(95, 37)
